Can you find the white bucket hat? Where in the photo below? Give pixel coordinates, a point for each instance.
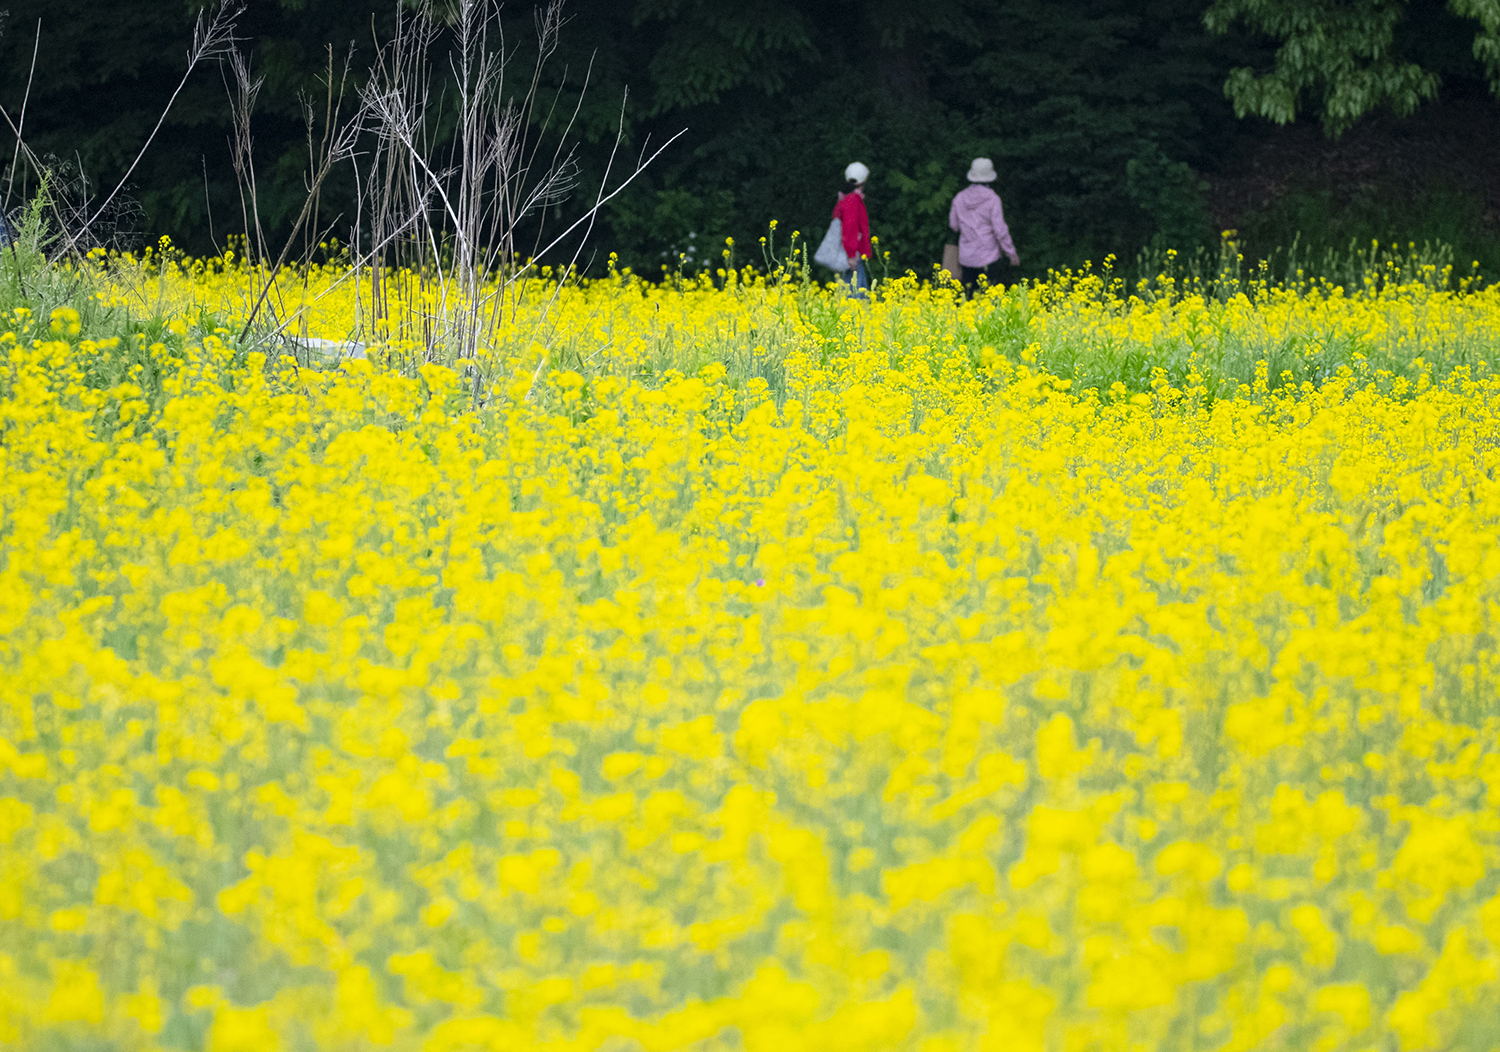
(982, 170)
(856, 173)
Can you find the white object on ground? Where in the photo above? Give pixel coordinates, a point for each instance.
(328, 350)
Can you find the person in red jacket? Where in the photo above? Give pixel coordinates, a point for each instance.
(850, 211)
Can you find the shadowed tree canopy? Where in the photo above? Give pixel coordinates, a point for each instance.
(1102, 116)
(1064, 95)
(1350, 57)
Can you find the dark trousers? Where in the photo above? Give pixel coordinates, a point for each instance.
(993, 275)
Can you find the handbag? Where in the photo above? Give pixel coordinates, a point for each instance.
(831, 252)
(950, 262)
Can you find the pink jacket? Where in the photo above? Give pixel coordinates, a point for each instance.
(851, 212)
(983, 236)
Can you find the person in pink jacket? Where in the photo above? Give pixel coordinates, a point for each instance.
(850, 211)
(979, 219)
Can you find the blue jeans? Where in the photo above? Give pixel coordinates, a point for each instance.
(857, 279)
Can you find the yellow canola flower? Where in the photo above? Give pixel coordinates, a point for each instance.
(740, 666)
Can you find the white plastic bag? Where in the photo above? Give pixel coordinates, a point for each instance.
(831, 252)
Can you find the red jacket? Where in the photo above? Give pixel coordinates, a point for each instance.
(851, 212)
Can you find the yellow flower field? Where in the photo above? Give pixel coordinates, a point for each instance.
(757, 670)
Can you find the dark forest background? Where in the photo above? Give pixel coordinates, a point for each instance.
(1107, 120)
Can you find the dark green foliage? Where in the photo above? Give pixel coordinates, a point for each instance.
(104, 74)
(704, 49)
(1063, 95)
(1171, 194)
(1104, 117)
(1348, 58)
(1431, 177)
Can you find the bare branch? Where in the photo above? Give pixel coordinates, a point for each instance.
(495, 176)
(21, 125)
(209, 41)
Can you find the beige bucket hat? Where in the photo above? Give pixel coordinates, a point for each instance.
(982, 170)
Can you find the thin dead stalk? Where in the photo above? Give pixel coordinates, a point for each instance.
(15, 159)
(333, 147)
(211, 38)
(242, 98)
(453, 226)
